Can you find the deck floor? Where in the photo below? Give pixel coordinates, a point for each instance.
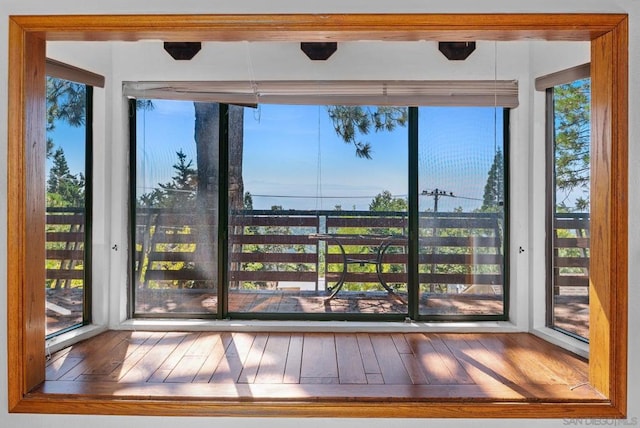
(572, 312)
(318, 366)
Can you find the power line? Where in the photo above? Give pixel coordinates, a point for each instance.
(424, 193)
(450, 195)
(437, 194)
(322, 197)
(466, 197)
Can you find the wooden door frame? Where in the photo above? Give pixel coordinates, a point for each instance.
(608, 34)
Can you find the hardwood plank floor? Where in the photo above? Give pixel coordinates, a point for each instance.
(319, 366)
(350, 365)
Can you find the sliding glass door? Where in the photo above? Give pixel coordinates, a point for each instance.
(317, 222)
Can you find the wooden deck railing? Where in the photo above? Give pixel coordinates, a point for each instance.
(177, 248)
(462, 250)
(571, 251)
(360, 234)
(271, 249)
(65, 240)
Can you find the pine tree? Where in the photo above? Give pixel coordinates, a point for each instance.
(493, 197)
(572, 144)
(180, 192)
(63, 188)
(59, 170)
(184, 178)
(65, 101)
(349, 121)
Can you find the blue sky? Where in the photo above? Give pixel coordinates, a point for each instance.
(293, 157)
(294, 150)
(72, 142)
(456, 149)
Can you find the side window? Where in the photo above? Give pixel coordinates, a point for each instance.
(68, 204)
(568, 157)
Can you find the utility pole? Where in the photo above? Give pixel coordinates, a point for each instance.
(437, 194)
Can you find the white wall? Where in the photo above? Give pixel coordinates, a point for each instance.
(545, 58)
(147, 61)
(263, 58)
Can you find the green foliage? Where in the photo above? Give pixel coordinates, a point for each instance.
(63, 188)
(276, 248)
(350, 121)
(468, 227)
(572, 143)
(571, 253)
(361, 226)
(180, 192)
(493, 198)
(386, 202)
(144, 105)
(66, 101)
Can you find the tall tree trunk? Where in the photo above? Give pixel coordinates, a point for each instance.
(207, 137)
(207, 121)
(236, 139)
(207, 124)
(236, 185)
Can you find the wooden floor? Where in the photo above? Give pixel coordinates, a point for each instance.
(319, 366)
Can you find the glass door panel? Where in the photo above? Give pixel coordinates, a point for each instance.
(175, 264)
(461, 212)
(319, 223)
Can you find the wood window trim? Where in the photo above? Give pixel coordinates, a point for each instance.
(608, 34)
(563, 77)
(60, 70)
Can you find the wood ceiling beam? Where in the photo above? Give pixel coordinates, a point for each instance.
(321, 27)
